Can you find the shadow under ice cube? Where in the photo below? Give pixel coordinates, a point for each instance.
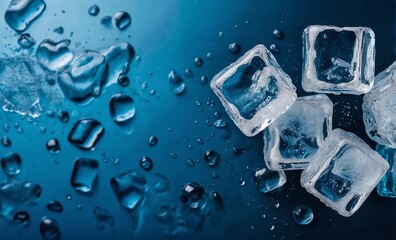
(254, 90)
(291, 140)
(338, 60)
(343, 172)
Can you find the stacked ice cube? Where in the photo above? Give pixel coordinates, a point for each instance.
(339, 168)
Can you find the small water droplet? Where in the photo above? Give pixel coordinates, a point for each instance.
(303, 215)
(63, 116)
(6, 142)
(59, 30)
(123, 80)
(190, 162)
(242, 182)
(106, 21)
(212, 158)
(11, 164)
(234, 47)
(220, 123)
(53, 146)
(93, 10)
(152, 141)
(209, 56)
(276, 205)
(176, 83)
(274, 48)
(272, 228)
(221, 34)
(122, 20)
(204, 80)
(278, 34)
(200, 141)
(198, 61)
(189, 73)
(22, 218)
(192, 195)
(26, 41)
(55, 206)
(146, 163)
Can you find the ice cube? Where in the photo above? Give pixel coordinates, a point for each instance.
(84, 175)
(291, 141)
(85, 133)
(11, 164)
(343, 172)
(387, 185)
(129, 188)
(338, 60)
(254, 90)
(379, 108)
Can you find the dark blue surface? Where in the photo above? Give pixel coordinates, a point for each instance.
(169, 35)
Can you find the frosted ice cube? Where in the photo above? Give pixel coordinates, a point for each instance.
(379, 108)
(343, 172)
(387, 185)
(338, 60)
(291, 140)
(254, 90)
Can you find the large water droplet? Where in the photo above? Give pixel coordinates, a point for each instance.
(84, 175)
(122, 20)
(129, 189)
(86, 133)
(303, 215)
(54, 56)
(26, 41)
(21, 13)
(22, 218)
(11, 164)
(176, 83)
(84, 78)
(53, 146)
(122, 108)
(103, 218)
(192, 195)
(212, 158)
(55, 206)
(49, 229)
(123, 80)
(146, 163)
(94, 10)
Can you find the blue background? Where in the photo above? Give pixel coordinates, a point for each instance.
(168, 35)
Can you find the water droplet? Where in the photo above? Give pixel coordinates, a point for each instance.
(267, 180)
(84, 78)
(221, 34)
(106, 21)
(122, 108)
(21, 13)
(63, 116)
(273, 48)
(209, 56)
(276, 205)
(85, 133)
(212, 158)
(93, 10)
(54, 56)
(103, 218)
(69, 197)
(303, 215)
(22, 218)
(272, 228)
(53, 146)
(146, 163)
(11, 164)
(324, 35)
(152, 141)
(220, 123)
(277, 34)
(215, 196)
(55, 206)
(26, 41)
(84, 175)
(6, 142)
(192, 195)
(129, 189)
(200, 141)
(176, 83)
(234, 47)
(49, 229)
(123, 80)
(173, 155)
(116, 161)
(198, 61)
(190, 162)
(242, 182)
(189, 73)
(59, 30)
(122, 20)
(204, 80)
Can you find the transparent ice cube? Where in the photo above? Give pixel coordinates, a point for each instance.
(84, 175)
(291, 140)
(379, 108)
(254, 90)
(343, 172)
(387, 185)
(129, 188)
(338, 60)
(85, 133)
